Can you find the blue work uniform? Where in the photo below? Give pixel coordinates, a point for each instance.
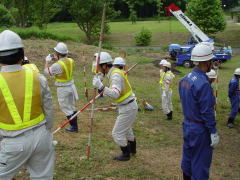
(198, 102)
(233, 94)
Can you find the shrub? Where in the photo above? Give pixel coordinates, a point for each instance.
(6, 18)
(143, 38)
(39, 34)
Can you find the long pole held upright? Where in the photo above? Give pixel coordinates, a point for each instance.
(85, 83)
(95, 89)
(216, 91)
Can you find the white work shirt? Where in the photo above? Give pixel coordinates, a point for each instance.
(67, 102)
(47, 103)
(116, 88)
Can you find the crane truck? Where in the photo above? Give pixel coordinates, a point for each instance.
(182, 53)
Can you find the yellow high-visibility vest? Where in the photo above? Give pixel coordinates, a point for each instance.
(32, 67)
(127, 91)
(22, 107)
(172, 78)
(67, 67)
(162, 74)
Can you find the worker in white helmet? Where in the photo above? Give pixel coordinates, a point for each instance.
(119, 63)
(62, 71)
(120, 90)
(199, 126)
(234, 94)
(161, 76)
(167, 85)
(27, 65)
(26, 115)
(212, 76)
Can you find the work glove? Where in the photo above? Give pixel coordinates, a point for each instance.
(214, 140)
(48, 58)
(97, 82)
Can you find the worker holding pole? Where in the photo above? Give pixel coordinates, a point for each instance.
(62, 71)
(233, 94)
(26, 115)
(199, 127)
(120, 90)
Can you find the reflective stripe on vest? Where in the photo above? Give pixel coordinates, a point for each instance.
(127, 91)
(20, 110)
(172, 77)
(67, 70)
(32, 67)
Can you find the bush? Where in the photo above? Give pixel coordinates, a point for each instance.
(143, 38)
(40, 34)
(6, 18)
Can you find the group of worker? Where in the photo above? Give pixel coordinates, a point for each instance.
(200, 135)
(25, 125)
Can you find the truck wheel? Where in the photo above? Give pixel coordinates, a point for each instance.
(187, 64)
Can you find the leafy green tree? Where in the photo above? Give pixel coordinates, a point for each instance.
(44, 10)
(88, 14)
(207, 15)
(6, 19)
(24, 12)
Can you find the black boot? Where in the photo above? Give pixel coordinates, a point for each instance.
(73, 123)
(169, 116)
(133, 146)
(230, 122)
(125, 156)
(186, 177)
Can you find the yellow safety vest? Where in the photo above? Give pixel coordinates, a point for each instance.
(162, 74)
(67, 67)
(22, 107)
(127, 91)
(32, 67)
(94, 68)
(172, 76)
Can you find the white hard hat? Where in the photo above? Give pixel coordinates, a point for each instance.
(61, 48)
(162, 61)
(10, 42)
(201, 52)
(212, 74)
(237, 71)
(119, 61)
(104, 57)
(167, 64)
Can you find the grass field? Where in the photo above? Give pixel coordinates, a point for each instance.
(164, 33)
(159, 142)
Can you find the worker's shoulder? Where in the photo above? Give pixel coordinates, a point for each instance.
(196, 79)
(234, 80)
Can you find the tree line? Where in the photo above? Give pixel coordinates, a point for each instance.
(87, 13)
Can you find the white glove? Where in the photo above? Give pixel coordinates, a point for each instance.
(214, 140)
(48, 58)
(97, 82)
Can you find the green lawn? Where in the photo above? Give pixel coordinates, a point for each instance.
(122, 33)
(159, 141)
